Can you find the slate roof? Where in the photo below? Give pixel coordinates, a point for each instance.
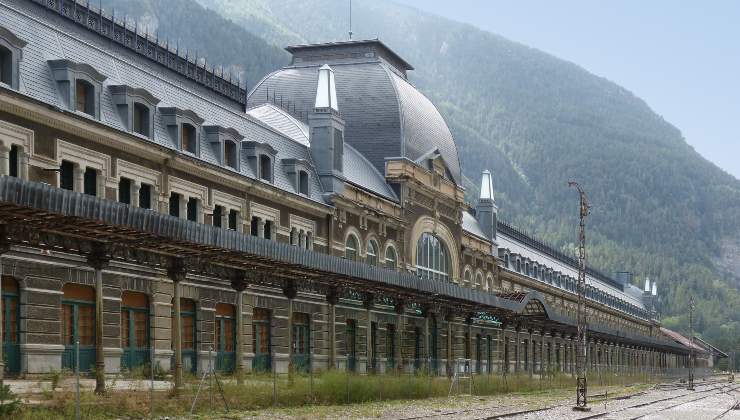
(360, 172)
(516, 247)
(50, 36)
(357, 170)
(384, 114)
(282, 121)
(470, 225)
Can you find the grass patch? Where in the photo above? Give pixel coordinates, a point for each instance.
(259, 392)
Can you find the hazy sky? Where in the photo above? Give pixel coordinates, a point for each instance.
(682, 57)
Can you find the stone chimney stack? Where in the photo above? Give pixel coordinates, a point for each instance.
(327, 133)
(486, 211)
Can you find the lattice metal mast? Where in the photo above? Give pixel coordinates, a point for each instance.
(581, 387)
(691, 346)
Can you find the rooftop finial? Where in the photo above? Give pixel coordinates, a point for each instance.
(486, 186)
(326, 91)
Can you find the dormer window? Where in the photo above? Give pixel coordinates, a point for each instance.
(136, 107)
(298, 171)
(6, 65)
(183, 126)
(79, 85)
(230, 154)
(303, 182)
(261, 158)
(141, 119)
(265, 168)
(85, 97)
(225, 145)
(188, 137)
(11, 48)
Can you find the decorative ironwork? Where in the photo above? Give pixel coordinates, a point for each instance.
(153, 49)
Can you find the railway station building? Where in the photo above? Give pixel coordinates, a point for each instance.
(151, 208)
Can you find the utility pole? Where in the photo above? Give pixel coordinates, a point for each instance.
(691, 347)
(581, 389)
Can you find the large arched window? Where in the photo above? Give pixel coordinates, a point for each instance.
(432, 258)
(350, 248)
(390, 258)
(372, 252)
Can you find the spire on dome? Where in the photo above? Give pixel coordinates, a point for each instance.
(326, 90)
(486, 186)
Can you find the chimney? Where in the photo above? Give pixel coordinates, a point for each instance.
(327, 133)
(647, 285)
(486, 210)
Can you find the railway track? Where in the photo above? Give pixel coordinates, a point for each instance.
(672, 406)
(715, 383)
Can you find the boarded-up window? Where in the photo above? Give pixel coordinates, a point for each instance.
(261, 324)
(225, 327)
(81, 298)
(134, 320)
(187, 314)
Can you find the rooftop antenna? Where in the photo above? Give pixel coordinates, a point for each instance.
(350, 20)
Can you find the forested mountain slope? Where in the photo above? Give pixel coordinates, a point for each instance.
(659, 208)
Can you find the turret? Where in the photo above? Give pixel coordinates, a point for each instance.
(486, 211)
(327, 133)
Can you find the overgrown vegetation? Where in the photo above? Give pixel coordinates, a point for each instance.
(332, 388)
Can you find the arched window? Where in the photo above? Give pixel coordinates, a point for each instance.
(350, 248)
(467, 276)
(372, 253)
(478, 280)
(390, 258)
(432, 258)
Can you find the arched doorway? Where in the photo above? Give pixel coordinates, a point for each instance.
(11, 326)
(78, 326)
(134, 330)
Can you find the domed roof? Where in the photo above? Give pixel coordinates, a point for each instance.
(385, 115)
